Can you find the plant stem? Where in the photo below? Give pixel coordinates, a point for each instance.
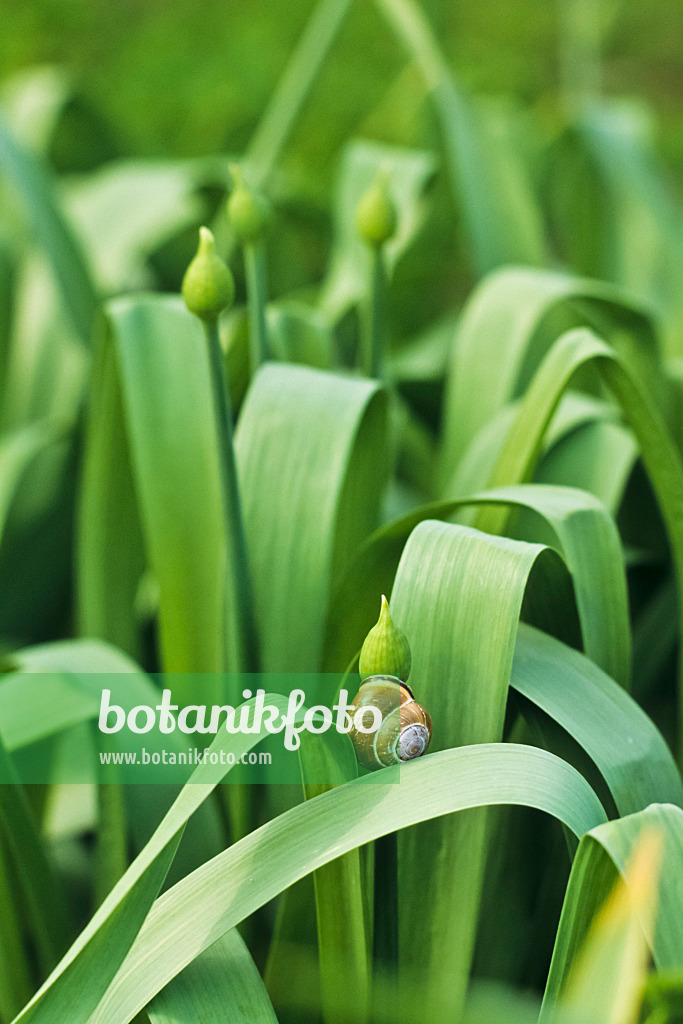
(234, 523)
(111, 859)
(376, 324)
(257, 295)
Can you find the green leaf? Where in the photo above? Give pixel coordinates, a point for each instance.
(128, 209)
(36, 473)
(572, 351)
(50, 690)
(7, 284)
(18, 450)
(608, 976)
(311, 456)
(221, 984)
(488, 181)
(508, 324)
(162, 420)
(284, 107)
(632, 234)
(289, 96)
(192, 915)
(457, 596)
(488, 1001)
(603, 854)
(52, 687)
(590, 545)
(30, 179)
(597, 456)
(46, 366)
(300, 334)
(34, 100)
(15, 979)
(79, 981)
(623, 742)
(340, 899)
(40, 890)
(582, 531)
(112, 846)
(108, 519)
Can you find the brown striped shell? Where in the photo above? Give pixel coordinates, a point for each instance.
(405, 729)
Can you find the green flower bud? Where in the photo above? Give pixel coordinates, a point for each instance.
(376, 216)
(208, 286)
(386, 650)
(248, 210)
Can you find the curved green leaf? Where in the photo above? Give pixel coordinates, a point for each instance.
(127, 209)
(52, 687)
(508, 325)
(457, 596)
(199, 909)
(311, 452)
(603, 853)
(158, 423)
(222, 983)
(80, 979)
(623, 742)
(632, 234)
(30, 179)
(17, 451)
(581, 529)
(597, 456)
(41, 894)
(290, 94)
(47, 365)
(572, 351)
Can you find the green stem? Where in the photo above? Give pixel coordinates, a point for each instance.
(376, 325)
(257, 295)
(234, 523)
(111, 857)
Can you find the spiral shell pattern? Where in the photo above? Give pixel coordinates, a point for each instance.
(405, 729)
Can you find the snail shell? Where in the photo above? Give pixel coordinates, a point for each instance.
(405, 729)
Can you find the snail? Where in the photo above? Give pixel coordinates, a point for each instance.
(394, 727)
(405, 729)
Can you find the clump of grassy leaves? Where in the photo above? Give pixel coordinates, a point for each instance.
(514, 481)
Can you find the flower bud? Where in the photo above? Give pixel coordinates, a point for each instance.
(208, 287)
(376, 216)
(386, 650)
(248, 210)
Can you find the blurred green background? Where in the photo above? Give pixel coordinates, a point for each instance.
(182, 79)
(155, 81)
